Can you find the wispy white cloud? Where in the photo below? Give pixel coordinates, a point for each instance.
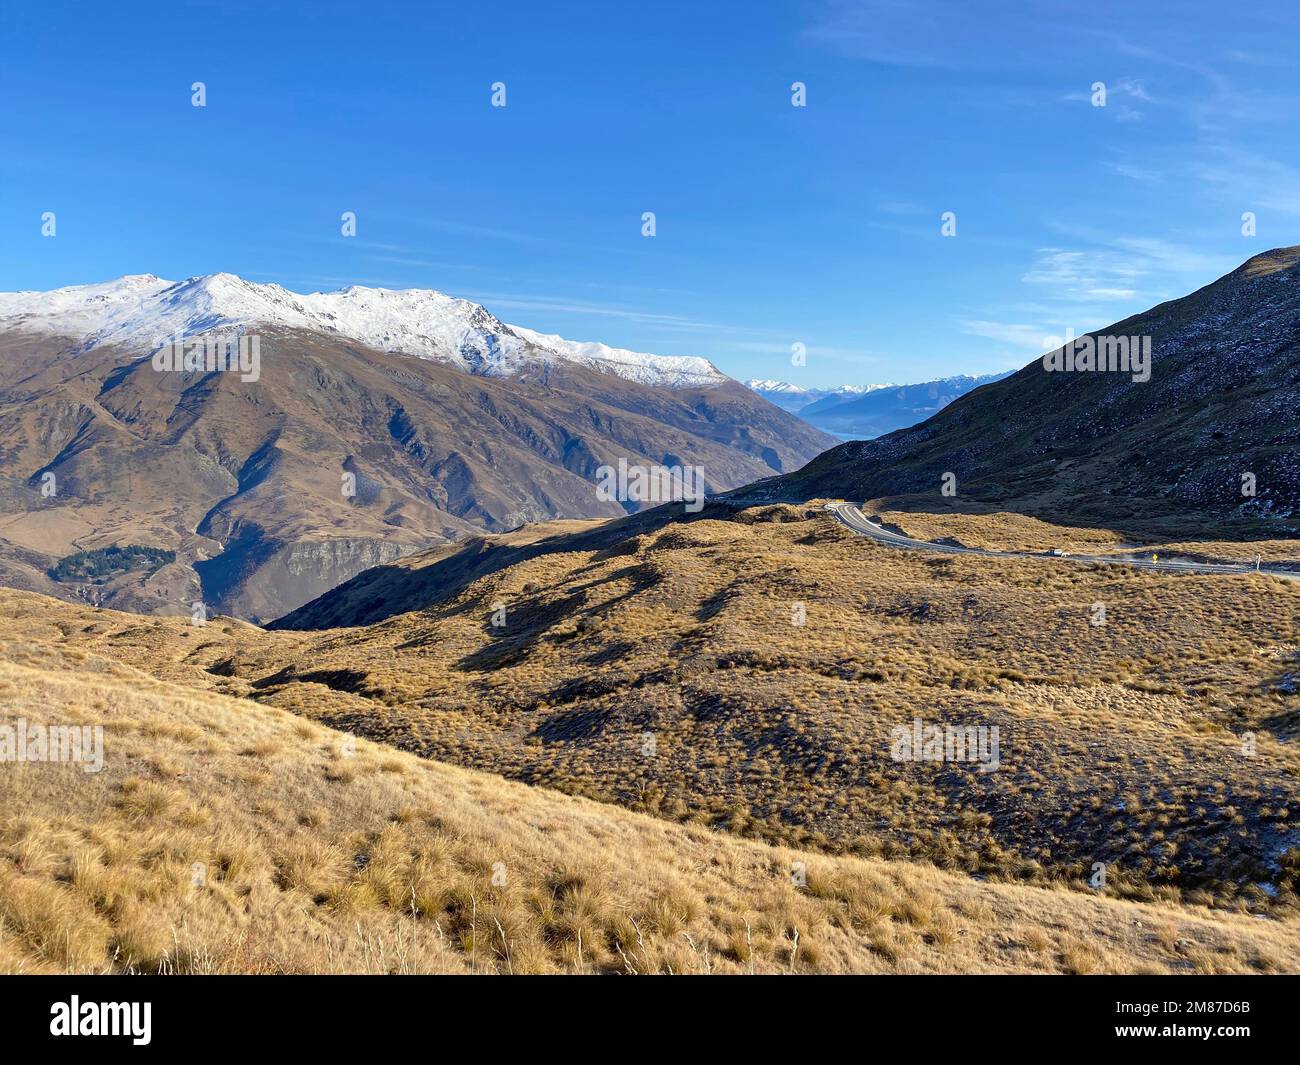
(712, 338)
(1171, 260)
(1141, 174)
(1084, 275)
(1134, 89)
(813, 350)
(1121, 97)
(426, 264)
(1015, 334)
(1251, 181)
(562, 304)
(901, 207)
(1083, 289)
(887, 31)
(1258, 59)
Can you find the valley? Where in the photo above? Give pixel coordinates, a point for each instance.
(629, 672)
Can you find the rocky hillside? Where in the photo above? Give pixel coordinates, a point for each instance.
(1219, 414)
(340, 455)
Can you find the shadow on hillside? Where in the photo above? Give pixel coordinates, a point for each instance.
(1285, 725)
(387, 591)
(515, 641)
(446, 578)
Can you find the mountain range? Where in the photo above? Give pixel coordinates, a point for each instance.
(863, 412)
(153, 491)
(769, 651)
(378, 422)
(796, 398)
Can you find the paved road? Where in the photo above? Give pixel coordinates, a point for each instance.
(860, 523)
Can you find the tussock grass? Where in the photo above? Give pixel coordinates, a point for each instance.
(425, 867)
(771, 746)
(1121, 743)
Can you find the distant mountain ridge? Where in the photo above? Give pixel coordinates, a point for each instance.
(862, 412)
(795, 398)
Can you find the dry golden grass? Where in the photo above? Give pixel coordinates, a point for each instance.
(172, 859)
(1008, 531)
(661, 671)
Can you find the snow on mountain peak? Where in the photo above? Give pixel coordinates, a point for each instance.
(676, 371)
(151, 311)
(784, 388)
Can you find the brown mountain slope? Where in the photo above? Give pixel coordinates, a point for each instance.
(244, 480)
(666, 671)
(1159, 457)
(223, 836)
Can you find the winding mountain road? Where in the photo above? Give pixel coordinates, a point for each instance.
(853, 517)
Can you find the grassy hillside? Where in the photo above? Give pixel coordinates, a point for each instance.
(664, 672)
(321, 854)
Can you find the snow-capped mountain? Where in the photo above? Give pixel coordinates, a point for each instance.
(673, 371)
(768, 385)
(444, 421)
(785, 388)
(794, 398)
(861, 412)
(882, 410)
(151, 311)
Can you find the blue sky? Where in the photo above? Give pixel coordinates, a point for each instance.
(776, 225)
